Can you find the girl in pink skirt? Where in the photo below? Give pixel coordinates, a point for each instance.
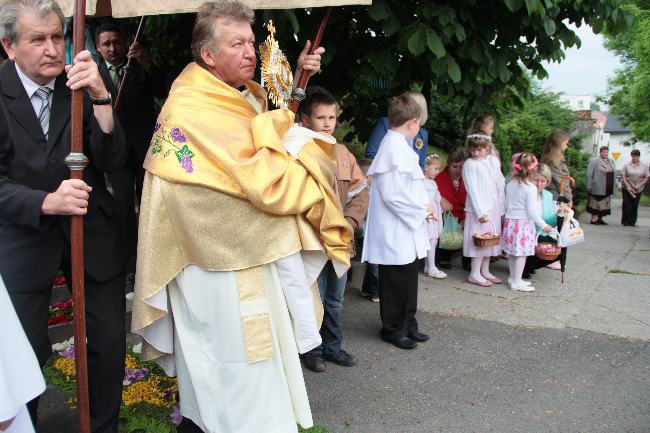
(522, 214)
(482, 208)
(432, 167)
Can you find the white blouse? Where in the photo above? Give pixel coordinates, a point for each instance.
(481, 185)
(521, 203)
(395, 229)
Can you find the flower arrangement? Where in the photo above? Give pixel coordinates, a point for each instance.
(60, 312)
(487, 235)
(547, 251)
(149, 396)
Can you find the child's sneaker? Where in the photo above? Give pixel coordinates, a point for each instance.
(436, 273)
(521, 287)
(524, 282)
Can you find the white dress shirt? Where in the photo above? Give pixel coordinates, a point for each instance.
(395, 229)
(31, 87)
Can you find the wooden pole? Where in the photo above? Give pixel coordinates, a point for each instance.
(298, 93)
(77, 161)
(128, 67)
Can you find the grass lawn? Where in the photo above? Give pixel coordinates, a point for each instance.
(314, 429)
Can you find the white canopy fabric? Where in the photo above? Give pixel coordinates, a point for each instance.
(131, 8)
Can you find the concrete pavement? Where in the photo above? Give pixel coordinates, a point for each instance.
(572, 357)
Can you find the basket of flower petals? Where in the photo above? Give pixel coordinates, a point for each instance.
(547, 251)
(487, 238)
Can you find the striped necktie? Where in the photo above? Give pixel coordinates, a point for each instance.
(44, 112)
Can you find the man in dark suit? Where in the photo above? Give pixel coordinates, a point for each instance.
(137, 116)
(37, 198)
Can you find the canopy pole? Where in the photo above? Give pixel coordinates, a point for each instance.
(128, 68)
(298, 94)
(77, 161)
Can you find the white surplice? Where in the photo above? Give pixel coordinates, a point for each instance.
(21, 379)
(219, 389)
(395, 230)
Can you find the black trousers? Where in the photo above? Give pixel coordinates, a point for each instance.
(398, 299)
(105, 333)
(630, 208)
(445, 256)
(127, 188)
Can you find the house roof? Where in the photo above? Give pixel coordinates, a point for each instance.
(615, 125)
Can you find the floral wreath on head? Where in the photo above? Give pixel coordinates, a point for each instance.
(479, 137)
(433, 156)
(516, 166)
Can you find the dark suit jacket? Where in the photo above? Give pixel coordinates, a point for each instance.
(137, 112)
(32, 244)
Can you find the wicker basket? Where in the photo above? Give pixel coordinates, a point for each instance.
(545, 254)
(482, 242)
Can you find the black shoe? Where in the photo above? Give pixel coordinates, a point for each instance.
(342, 358)
(313, 360)
(418, 337)
(602, 223)
(401, 342)
(370, 296)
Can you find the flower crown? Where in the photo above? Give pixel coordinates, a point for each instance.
(518, 166)
(479, 137)
(432, 157)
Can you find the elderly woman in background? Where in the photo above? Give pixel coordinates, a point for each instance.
(553, 157)
(419, 143)
(453, 196)
(600, 185)
(635, 176)
(547, 208)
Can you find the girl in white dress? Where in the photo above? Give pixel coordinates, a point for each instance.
(485, 124)
(522, 215)
(482, 209)
(432, 167)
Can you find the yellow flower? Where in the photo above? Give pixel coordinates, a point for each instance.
(147, 391)
(130, 361)
(65, 366)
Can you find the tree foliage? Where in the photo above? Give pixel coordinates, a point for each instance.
(526, 128)
(629, 89)
(468, 55)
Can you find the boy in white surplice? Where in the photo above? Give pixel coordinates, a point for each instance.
(396, 235)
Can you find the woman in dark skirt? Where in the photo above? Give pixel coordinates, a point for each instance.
(635, 176)
(600, 185)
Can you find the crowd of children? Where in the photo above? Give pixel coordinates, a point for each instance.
(404, 218)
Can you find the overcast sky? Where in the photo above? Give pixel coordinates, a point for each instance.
(584, 71)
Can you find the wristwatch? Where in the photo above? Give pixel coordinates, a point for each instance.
(105, 101)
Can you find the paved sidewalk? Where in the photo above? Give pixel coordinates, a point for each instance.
(594, 296)
(567, 358)
(570, 357)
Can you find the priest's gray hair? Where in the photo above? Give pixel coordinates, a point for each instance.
(422, 103)
(10, 10)
(206, 34)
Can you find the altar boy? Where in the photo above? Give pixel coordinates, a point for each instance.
(396, 235)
